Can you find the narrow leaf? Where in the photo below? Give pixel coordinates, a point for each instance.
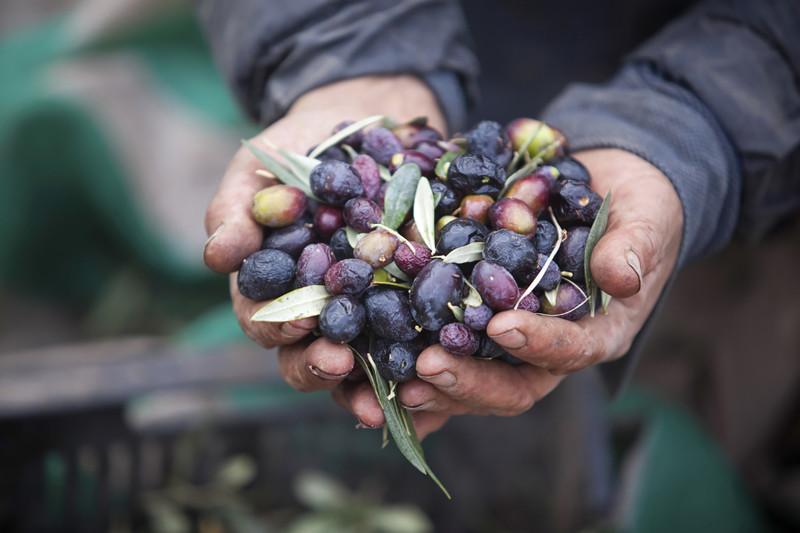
(395, 271)
(466, 254)
(352, 154)
(443, 164)
(473, 298)
(285, 175)
(525, 146)
(400, 195)
(605, 300)
(381, 277)
(552, 295)
(352, 236)
(344, 133)
(529, 167)
(384, 172)
(424, 213)
(595, 233)
(549, 260)
(457, 311)
(300, 303)
(301, 165)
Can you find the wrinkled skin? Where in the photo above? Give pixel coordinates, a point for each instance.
(266, 274)
(389, 314)
(458, 233)
(458, 339)
(631, 262)
(476, 174)
(349, 276)
(570, 256)
(342, 318)
(514, 252)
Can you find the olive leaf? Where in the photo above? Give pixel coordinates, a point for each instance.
(546, 264)
(352, 154)
(595, 233)
(398, 420)
(344, 133)
(384, 173)
(473, 298)
(424, 213)
(395, 271)
(458, 312)
(468, 253)
(552, 295)
(443, 164)
(382, 277)
(285, 175)
(528, 167)
(300, 303)
(299, 164)
(400, 195)
(605, 301)
(352, 236)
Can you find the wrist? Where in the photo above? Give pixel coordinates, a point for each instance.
(401, 97)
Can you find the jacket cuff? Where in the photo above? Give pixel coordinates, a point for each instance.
(663, 123)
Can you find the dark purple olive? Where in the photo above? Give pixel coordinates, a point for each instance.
(367, 169)
(335, 182)
(348, 276)
(411, 259)
(327, 220)
(568, 303)
(312, 265)
(476, 174)
(291, 239)
(552, 277)
(342, 318)
(425, 163)
(429, 148)
(571, 169)
(570, 255)
(495, 285)
(458, 233)
(265, 274)
(488, 139)
(545, 237)
(389, 314)
(340, 246)
(478, 317)
(381, 144)
(436, 286)
(396, 361)
(575, 202)
(278, 206)
(514, 252)
(360, 214)
(529, 303)
(458, 339)
(448, 199)
(411, 135)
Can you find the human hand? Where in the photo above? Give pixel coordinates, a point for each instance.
(233, 234)
(632, 263)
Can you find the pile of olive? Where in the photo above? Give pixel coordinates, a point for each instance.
(515, 190)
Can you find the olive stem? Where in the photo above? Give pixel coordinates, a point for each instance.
(549, 260)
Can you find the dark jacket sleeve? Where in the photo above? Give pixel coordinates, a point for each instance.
(713, 101)
(273, 51)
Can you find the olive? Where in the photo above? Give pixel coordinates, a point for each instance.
(278, 206)
(265, 274)
(476, 207)
(514, 215)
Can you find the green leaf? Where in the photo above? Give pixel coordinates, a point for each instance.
(524, 148)
(384, 173)
(344, 133)
(398, 420)
(236, 472)
(301, 165)
(424, 213)
(473, 298)
(605, 300)
(595, 233)
(395, 271)
(352, 236)
(443, 164)
(552, 295)
(400, 195)
(466, 254)
(300, 303)
(381, 277)
(457, 311)
(285, 175)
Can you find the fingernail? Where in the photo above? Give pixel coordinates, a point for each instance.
(290, 330)
(633, 261)
(362, 425)
(213, 235)
(321, 374)
(513, 339)
(421, 407)
(442, 379)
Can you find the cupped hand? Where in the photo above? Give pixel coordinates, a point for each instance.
(305, 364)
(632, 262)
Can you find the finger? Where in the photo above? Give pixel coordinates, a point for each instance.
(233, 234)
(484, 386)
(359, 399)
(267, 334)
(559, 345)
(420, 396)
(319, 365)
(639, 220)
(427, 423)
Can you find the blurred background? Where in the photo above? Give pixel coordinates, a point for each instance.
(130, 401)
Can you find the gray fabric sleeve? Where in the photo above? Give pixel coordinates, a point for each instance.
(273, 51)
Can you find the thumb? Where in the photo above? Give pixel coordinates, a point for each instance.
(623, 257)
